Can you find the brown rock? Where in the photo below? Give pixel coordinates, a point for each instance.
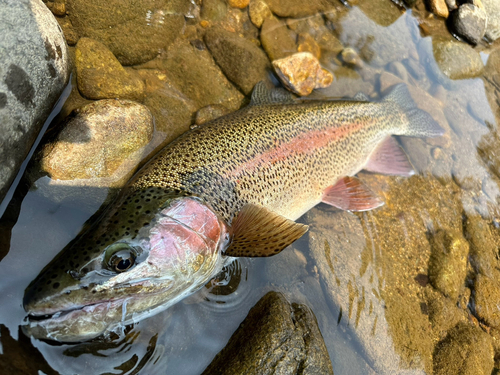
(275, 338)
(209, 113)
(104, 140)
(101, 76)
(276, 39)
(68, 30)
(487, 300)
(297, 8)
(302, 73)
(483, 249)
(307, 44)
(466, 350)
(439, 8)
(351, 57)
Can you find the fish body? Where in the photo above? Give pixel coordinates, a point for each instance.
(231, 187)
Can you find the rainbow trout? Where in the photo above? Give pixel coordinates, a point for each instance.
(230, 188)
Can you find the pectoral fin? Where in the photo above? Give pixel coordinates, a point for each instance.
(389, 158)
(258, 232)
(351, 194)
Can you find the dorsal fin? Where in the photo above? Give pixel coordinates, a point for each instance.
(259, 232)
(263, 94)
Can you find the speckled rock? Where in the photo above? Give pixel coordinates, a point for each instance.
(209, 113)
(301, 73)
(274, 338)
(242, 62)
(466, 350)
(492, 8)
(101, 76)
(213, 10)
(276, 39)
(117, 26)
(483, 247)
(296, 8)
(443, 312)
(238, 3)
(259, 11)
(69, 32)
(470, 22)
(486, 300)
(102, 142)
(439, 8)
(448, 262)
(31, 79)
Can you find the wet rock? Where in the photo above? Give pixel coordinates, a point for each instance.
(350, 57)
(195, 74)
(398, 69)
(452, 4)
(377, 45)
(69, 32)
(443, 312)
(492, 9)
(209, 113)
(448, 262)
(259, 11)
(31, 79)
(470, 22)
(486, 300)
(101, 76)
(238, 3)
(242, 61)
(439, 8)
(276, 39)
(466, 350)
(301, 73)
(306, 43)
(102, 143)
(135, 31)
(483, 248)
(213, 10)
(455, 61)
(296, 8)
(274, 338)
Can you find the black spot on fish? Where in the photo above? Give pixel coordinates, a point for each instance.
(18, 82)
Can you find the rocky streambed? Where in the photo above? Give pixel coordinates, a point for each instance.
(412, 287)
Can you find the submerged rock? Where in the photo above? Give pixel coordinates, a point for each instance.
(101, 76)
(439, 8)
(466, 350)
(101, 144)
(470, 22)
(259, 11)
(209, 113)
(242, 61)
(276, 39)
(486, 300)
(135, 31)
(274, 338)
(297, 8)
(31, 79)
(302, 73)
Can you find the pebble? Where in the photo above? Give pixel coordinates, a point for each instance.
(96, 142)
(452, 4)
(101, 76)
(301, 73)
(448, 262)
(213, 10)
(470, 22)
(277, 39)
(466, 350)
(241, 4)
(439, 8)
(351, 57)
(259, 11)
(242, 61)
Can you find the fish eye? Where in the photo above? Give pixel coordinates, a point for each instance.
(119, 257)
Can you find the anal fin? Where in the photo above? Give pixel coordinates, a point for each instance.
(259, 232)
(350, 194)
(389, 158)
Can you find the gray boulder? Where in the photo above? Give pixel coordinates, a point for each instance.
(34, 68)
(470, 22)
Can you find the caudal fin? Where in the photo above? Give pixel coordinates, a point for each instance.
(421, 124)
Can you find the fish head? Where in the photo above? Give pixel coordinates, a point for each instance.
(144, 255)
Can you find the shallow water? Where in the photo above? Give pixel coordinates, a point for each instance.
(360, 284)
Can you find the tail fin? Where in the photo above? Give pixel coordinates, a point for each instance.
(421, 124)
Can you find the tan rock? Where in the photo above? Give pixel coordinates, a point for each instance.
(277, 39)
(487, 300)
(301, 73)
(104, 140)
(259, 11)
(101, 76)
(308, 44)
(439, 8)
